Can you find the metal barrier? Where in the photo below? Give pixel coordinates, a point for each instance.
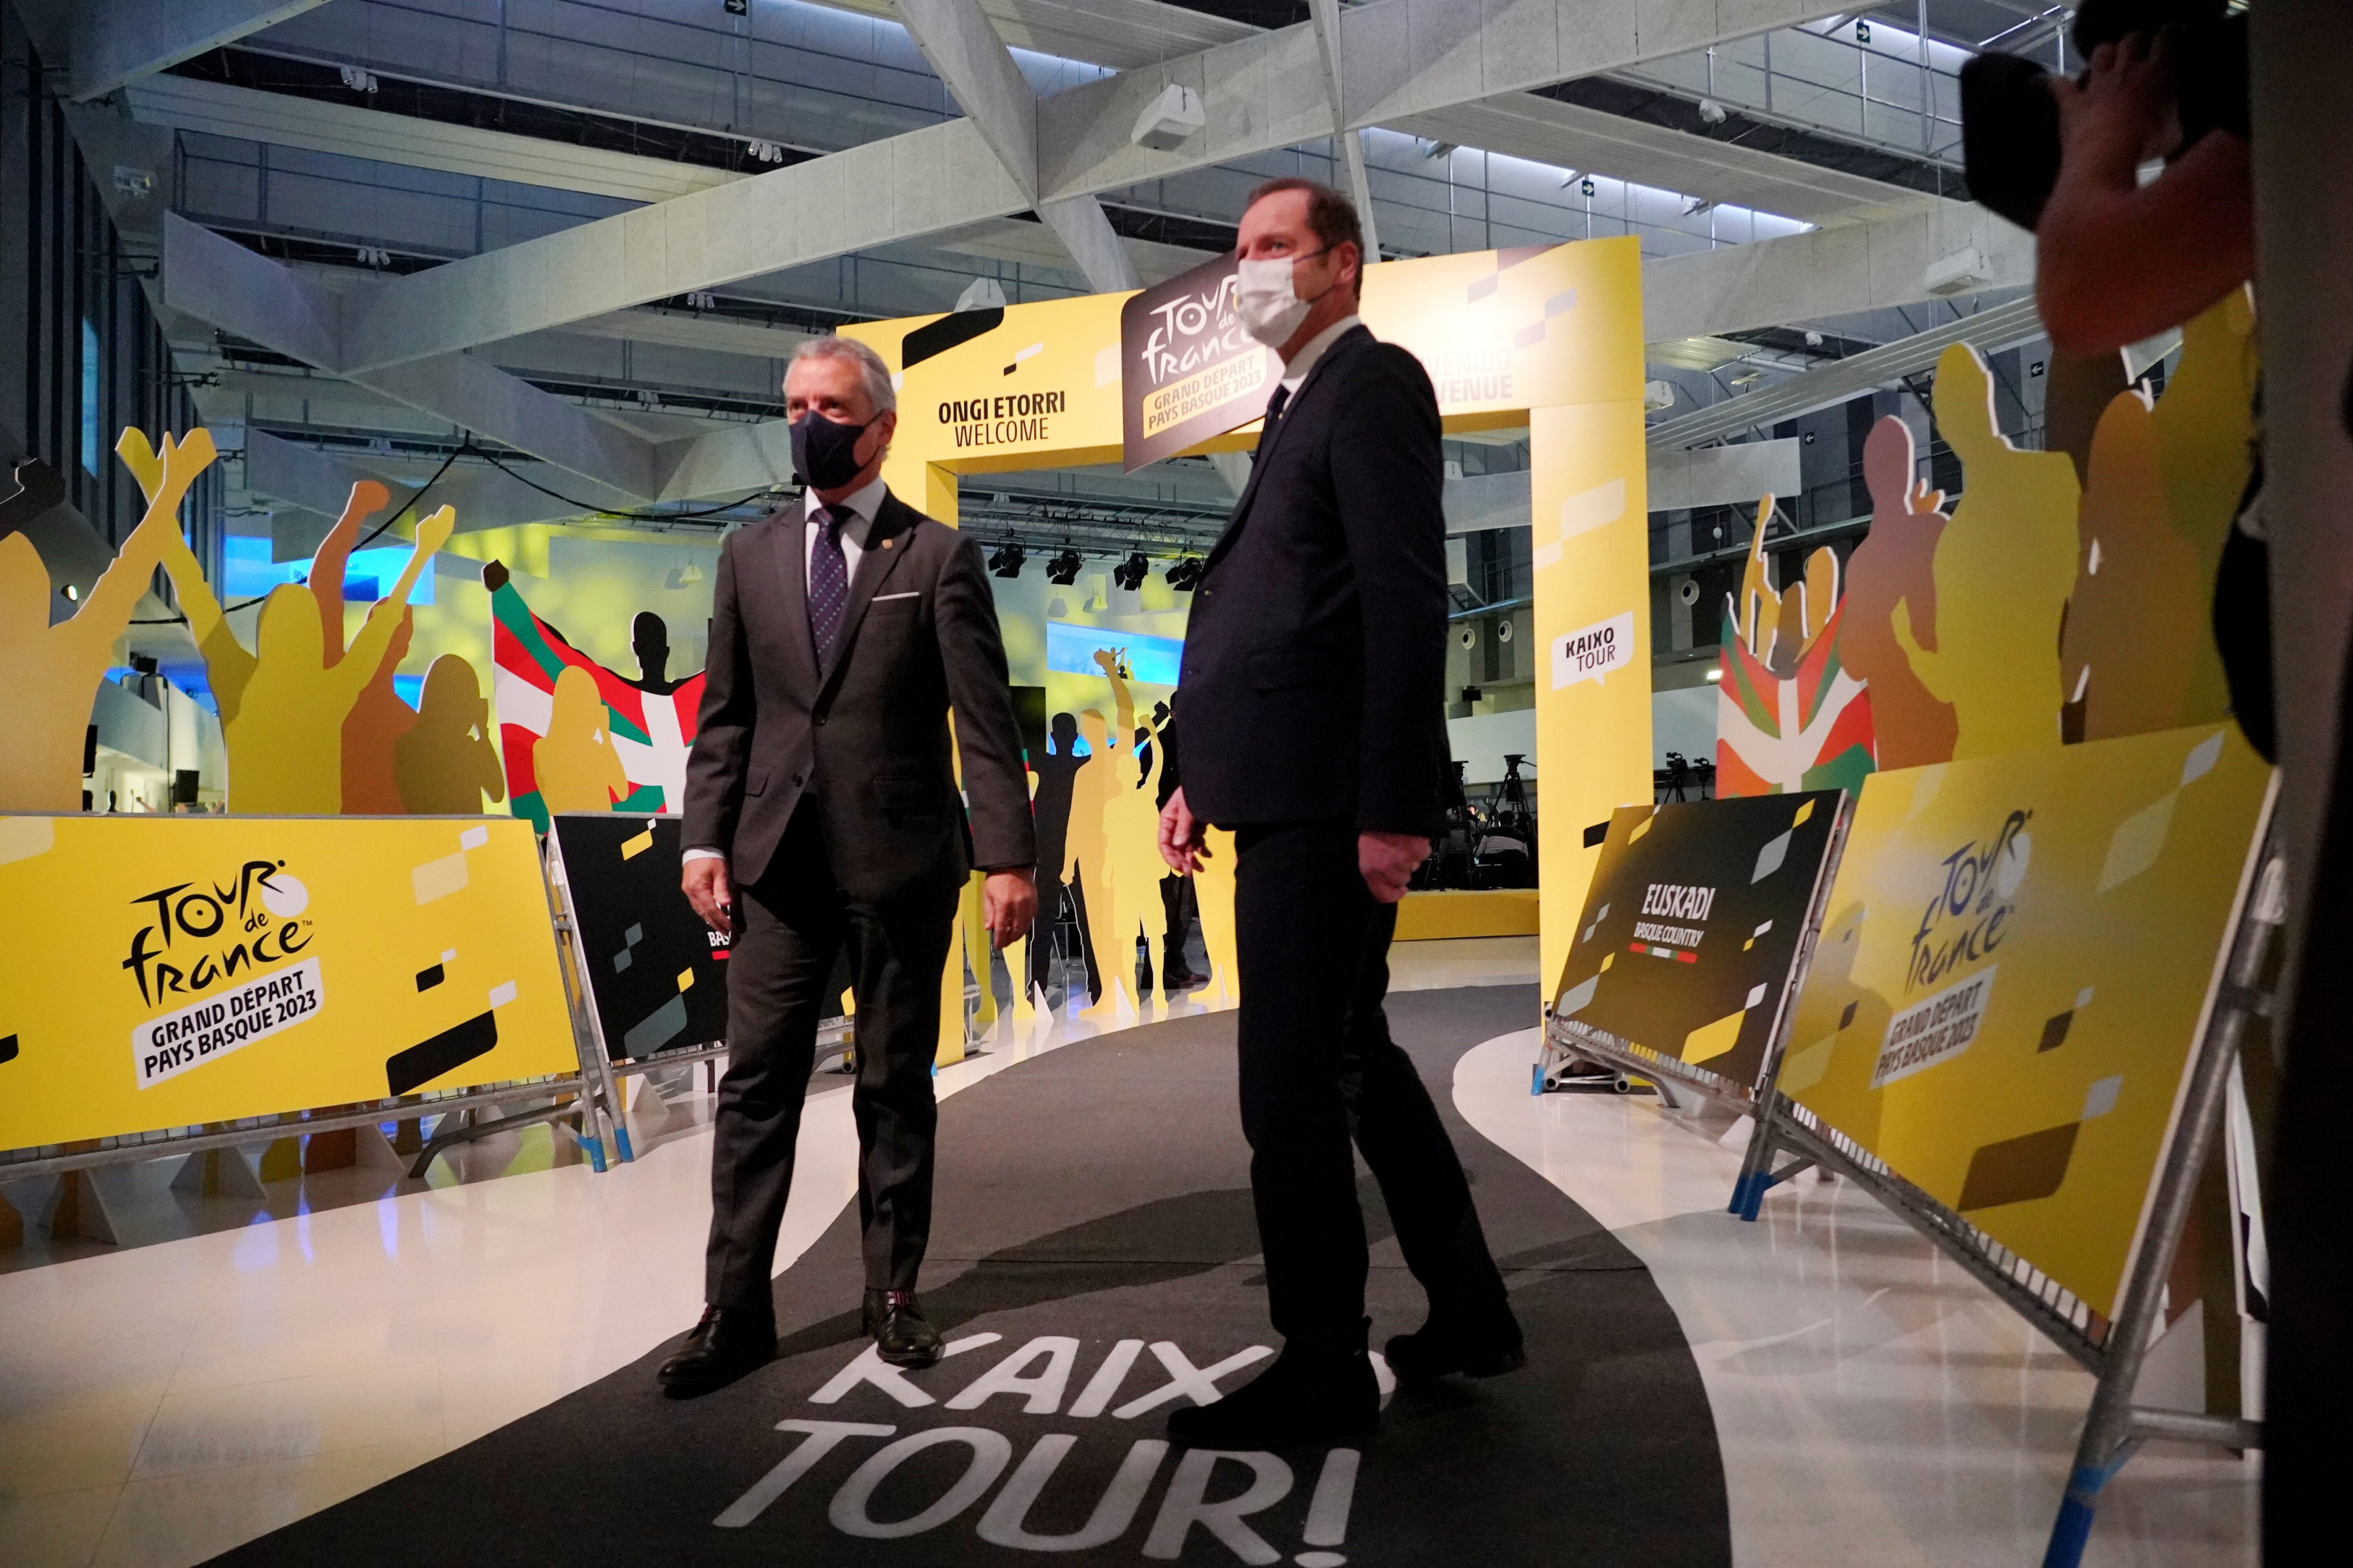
(1568, 1041)
(2112, 1350)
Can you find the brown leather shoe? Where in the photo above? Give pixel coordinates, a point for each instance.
(902, 1335)
(728, 1342)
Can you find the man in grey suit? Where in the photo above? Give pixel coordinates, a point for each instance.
(822, 809)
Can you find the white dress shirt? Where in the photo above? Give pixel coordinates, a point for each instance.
(1295, 369)
(862, 504)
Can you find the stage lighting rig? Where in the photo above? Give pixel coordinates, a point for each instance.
(1064, 569)
(1182, 575)
(1007, 559)
(1129, 573)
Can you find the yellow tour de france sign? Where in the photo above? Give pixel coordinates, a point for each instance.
(2019, 954)
(170, 971)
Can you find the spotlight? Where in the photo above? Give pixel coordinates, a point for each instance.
(1129, 573)
(1472, 694)
(1005, 562)
(1064, 569)
(1183, 575)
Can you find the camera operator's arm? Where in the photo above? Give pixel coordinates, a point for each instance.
(2115, 262)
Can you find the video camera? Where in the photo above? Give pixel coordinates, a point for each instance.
(2009, 122)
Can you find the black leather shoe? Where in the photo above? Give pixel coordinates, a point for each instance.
(1486, 1344)
(902, 1335)
(1306, 1397)
(728, 1342)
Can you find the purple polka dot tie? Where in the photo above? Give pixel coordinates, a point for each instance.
(829, 583)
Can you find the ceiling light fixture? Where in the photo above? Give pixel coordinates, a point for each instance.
(1183, 576)
(1173, 116)
(1129, 573)
(1006, 561)
(1064, 569)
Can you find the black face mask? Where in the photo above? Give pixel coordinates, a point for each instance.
(825, 455)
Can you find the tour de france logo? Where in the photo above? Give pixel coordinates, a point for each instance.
(232, 948)
(1963, 925)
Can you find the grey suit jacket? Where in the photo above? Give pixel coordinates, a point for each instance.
(866, 738)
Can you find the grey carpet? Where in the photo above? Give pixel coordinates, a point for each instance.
(1099, 1194)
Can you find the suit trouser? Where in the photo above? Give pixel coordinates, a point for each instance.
(792, 923)
(1318, 1069)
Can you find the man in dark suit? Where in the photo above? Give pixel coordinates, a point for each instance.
(822, 809)
(1314, 699)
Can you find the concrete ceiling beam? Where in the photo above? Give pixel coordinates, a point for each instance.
(1260, 94)
(114, 42)
(1835, 381)
(1826, 272)
(966, 53)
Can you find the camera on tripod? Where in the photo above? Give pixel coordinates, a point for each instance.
(2009, 122)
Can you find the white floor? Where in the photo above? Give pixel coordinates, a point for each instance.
(1874, 1405)
(162, 1403)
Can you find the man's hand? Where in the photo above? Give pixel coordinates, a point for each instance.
(707, 889)
(1008, 903)
(2128, 93)
(1388, 862)
(1182, 836)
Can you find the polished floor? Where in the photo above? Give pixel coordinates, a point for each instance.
(238, 1364)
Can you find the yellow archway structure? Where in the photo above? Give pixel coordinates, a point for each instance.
(1545, 336)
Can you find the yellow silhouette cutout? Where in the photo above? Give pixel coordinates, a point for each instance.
(1213, 893)
(282, 708)
(446, 761)
(2005, 564)
(2205, 453)
(1777, 626)
(49, 674)
(1895, 564)
(577, 765)
(1086, 851)
(1132, 838)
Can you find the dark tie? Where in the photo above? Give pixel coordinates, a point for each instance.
(1275, 406)
(828, 583)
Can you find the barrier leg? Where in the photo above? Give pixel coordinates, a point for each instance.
(1748, 1189)
(2108, 1438)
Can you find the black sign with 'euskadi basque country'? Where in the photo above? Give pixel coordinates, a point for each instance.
(657, 975)
(1692, 925)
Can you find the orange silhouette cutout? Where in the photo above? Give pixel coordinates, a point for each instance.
(282, 707)
(2135, 625)
(1896, 563)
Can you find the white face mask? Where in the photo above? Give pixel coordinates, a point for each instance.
(1263, 298)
